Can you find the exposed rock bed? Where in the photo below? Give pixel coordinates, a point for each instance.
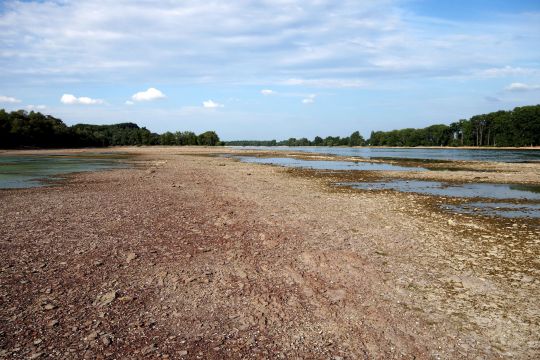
(191, 256)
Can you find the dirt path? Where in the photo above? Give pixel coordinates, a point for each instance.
(190, 256)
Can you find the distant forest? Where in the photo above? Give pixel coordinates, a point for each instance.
(20, 129)
(518, 127)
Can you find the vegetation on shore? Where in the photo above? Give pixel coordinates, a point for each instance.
(514, 128)
(22, 129)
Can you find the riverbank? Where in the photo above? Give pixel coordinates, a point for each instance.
(192, 255)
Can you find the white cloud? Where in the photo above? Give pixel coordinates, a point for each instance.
(129, 102)
(70, 99)
(264, 42)
(522, 87)
(148, 95)
(507, 71)
(8, 99)
(36, 107)
(209, 104)
(310, 99)
(268, 92)
(327, 83)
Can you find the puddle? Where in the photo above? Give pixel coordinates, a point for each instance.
(502, 209)
(487, 191)
(32, 171)
(480, 190)
(327, 165)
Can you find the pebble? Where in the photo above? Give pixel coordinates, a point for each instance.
(130, 257)
(149, 349)
(106, 340)
(92, 336)
(107, 298)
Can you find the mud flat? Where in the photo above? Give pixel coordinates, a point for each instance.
(192, 255)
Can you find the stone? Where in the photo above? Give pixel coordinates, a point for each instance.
(49, 307)
(130, 257)
(106, 340)
(92, 336)
(183, 353)
(107, 298)
(149, 349)
(52, 323)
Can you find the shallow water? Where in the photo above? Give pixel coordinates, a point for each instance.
(30, 171)
(495, 155)
(327, 165)
(479, 190)
(503, 209)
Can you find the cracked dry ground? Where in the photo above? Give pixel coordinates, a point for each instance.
(187, 256)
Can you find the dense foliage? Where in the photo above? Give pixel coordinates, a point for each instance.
(518, 127)
(354, 140)
(23, 129)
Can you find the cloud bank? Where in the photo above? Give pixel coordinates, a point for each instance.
(324, 43)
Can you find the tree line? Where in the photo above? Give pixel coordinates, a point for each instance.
(517, 127)
(34, 129)
(355, 139)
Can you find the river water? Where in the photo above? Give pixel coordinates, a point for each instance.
(25, 171)
(451, 154)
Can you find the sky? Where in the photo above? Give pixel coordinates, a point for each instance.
(269, 69)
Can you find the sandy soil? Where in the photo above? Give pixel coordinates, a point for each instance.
(193, 256)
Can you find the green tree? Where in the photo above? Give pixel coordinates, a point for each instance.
(208, 138)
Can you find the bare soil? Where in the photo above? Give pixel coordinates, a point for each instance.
(188, 255)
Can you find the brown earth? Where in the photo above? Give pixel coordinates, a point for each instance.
(187, 255)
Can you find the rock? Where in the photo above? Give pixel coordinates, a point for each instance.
(38, 341)
(35, 355)
(49, 307)
(149, 349)
(92, 336)
(125, 298)
(52, 323)
(106, 298)
(183, 353)
(336, 295)
(130, 257)
(106, 340)
(451, 222)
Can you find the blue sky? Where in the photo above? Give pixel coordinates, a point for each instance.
(269, 69)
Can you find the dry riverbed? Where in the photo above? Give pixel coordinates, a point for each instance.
(188, 255)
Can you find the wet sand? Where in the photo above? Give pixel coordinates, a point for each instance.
(189, 255)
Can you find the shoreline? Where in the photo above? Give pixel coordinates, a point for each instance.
(193, 255)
